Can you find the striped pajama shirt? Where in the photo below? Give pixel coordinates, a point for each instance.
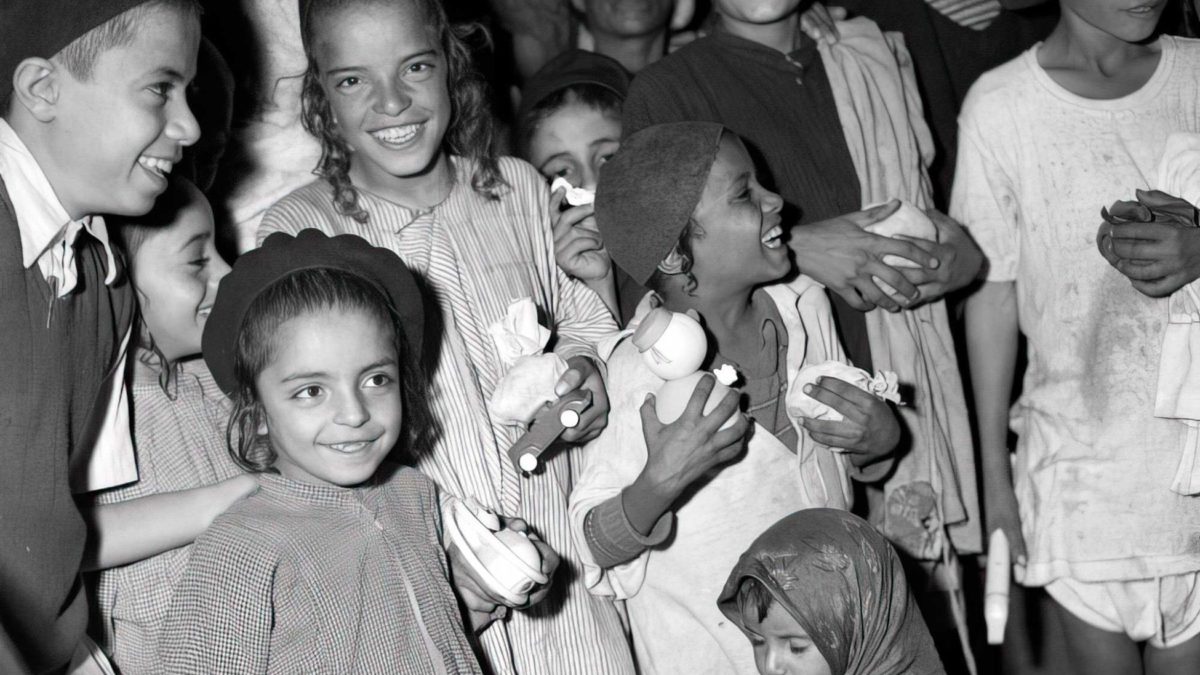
(477, 255)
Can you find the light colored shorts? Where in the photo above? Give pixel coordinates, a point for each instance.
(1164, 611)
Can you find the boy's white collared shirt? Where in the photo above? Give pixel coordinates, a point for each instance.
(47, 232)
(48, 239)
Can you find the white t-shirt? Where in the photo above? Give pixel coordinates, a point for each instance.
(1094, 466)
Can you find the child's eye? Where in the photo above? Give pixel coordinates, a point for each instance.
(378, 380)
(347, 82)
(757, 641)
(162, 89)
(421, 68)
(604, 158)
(311, 391)
(200, 262)
(797, 649)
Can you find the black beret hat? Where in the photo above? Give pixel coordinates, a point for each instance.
(282, 255)
(650, 188)
(572, 68)
(42, 28)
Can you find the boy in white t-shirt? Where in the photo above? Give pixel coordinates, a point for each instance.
(1046, 140)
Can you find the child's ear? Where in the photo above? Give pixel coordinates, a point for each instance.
(579, 6)
(262, 423)
(36, 87)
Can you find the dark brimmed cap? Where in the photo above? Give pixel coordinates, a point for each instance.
(282, 255)
(573, 68)
(649, 189)
(42, 28)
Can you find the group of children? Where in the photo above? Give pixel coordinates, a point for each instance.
(257, 468)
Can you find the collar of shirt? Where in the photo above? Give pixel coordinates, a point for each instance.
(47, 232)
(802, 57)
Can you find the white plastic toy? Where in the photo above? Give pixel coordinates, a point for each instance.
(503, 559)
(673, 346)
(995, 596)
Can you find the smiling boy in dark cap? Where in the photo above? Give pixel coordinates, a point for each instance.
(94, 118)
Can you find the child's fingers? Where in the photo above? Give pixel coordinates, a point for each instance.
(732, 436)
(839, 395)
(578, 244)
(578, 214)
(717, 416)
(651, 427)
(1143, 270)
(695, 405)
(556, 199)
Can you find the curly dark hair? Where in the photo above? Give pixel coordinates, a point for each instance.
(470, 133)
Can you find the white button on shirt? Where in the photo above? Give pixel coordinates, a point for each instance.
(48, 237)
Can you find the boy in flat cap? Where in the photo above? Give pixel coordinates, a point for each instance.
(681, 209)
(94, 118)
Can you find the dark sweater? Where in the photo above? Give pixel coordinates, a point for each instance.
(50, 380)
(784, 110)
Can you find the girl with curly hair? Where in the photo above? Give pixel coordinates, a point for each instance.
(407, 165)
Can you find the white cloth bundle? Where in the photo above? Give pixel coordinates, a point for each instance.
(529, 382)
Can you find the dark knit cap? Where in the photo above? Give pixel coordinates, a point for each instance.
(42, 28)
(649, 189)
(573, 68)
(282, 255)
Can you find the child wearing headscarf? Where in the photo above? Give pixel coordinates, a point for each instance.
(822, 588)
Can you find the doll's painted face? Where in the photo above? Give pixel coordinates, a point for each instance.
(781, 645)
(331, 396)
(738, 237)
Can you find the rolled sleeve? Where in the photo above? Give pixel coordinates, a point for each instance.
(614, 540)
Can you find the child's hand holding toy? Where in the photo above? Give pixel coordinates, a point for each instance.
(496, 562)
(845, 408)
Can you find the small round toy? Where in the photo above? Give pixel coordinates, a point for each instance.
(673, 346)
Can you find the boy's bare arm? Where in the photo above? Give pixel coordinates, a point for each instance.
(126, 532)
(992, 331)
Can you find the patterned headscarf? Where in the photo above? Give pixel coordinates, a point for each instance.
(842, 582)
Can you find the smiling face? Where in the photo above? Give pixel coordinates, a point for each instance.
(574, 141)
(781, 645)
(176, 271)
(1126, 20)
(738, 242)
(331, 396)
(120, 131)
(384, 75)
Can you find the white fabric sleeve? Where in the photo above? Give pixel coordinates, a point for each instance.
(109, 460)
